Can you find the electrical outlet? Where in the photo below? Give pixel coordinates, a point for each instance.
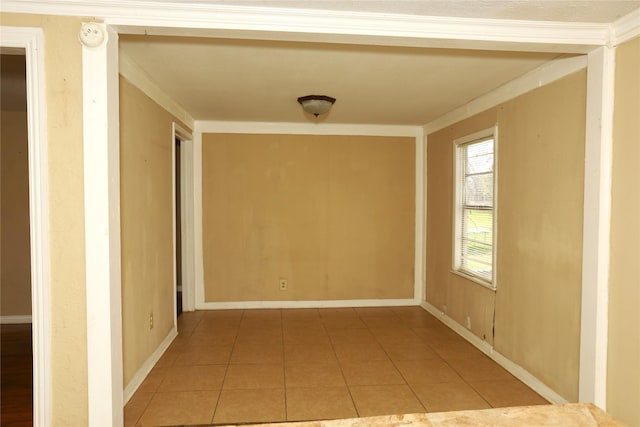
(468, 322)
(151, 320)
(282, 284)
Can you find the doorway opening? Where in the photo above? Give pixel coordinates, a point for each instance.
(178, 227)
(16, 349)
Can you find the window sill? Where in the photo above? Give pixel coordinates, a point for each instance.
(479, 281)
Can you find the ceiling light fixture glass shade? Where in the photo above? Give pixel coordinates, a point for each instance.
(316, 104)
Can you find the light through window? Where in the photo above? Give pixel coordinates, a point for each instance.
(474, 245)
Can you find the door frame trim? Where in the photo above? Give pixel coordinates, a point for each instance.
(32, 41)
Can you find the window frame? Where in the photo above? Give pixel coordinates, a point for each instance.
(458, 203)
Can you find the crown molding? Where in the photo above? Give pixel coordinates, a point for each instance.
(140, 79)
(626, 28)
(543, 75)
(185, 18)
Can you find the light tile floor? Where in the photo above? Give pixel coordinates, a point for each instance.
(244, 366)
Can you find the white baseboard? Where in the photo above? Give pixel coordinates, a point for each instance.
(14, 320)
(144, 370)
(306, 304)
(516, 370)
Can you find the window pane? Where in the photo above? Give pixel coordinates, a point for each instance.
(478, 190)
(479, 157)
(477, 240)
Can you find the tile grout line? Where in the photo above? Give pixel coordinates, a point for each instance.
(226, 369)
(396, 367)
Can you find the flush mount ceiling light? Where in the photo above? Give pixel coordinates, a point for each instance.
(316, 104)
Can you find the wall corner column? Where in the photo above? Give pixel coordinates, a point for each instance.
(102, 223)
(596, 227)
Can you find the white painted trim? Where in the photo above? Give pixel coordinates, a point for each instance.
(307, 304)
(516, 370)
(15, 320)
(159, 17)
(101, 149)
(32, 41)
(140, 79)
(173, 227)
(425, 157)
(187, 216)
(541, 76)
(197, 216)
(148, 365)
(596, 227)
(420, 221)
(209, 126)
(626, 28)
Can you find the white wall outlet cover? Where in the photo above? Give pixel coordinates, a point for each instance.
(91, 34)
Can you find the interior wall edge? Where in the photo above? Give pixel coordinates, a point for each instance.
(307, 304)
(148, 365)
(514, 369)
(140, 79)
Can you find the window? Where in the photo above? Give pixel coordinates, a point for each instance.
(474, 236)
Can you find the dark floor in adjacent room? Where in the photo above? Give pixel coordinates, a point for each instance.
(16, 376)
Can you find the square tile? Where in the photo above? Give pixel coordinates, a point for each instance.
(456, 349)
(254, 376)
(203, 355)
(427, 371)
(503, 393)
(371, 373)
(374, 311)
(260, 322)
(309, 353)
(383, 322)
(455, 396)
(479, 369)
(343, 322)
(409, 351)
(337, 312)
(214, 336)
(244, 353)
(351, 336)
(319, 403)
(302, 335)
(180, 408)
(300, 313)
(359, 352)
(193, 378)
(153, 380)
(250, 335)
(371, 400)
(313, 375)
(135, 407)
(250, 406)
(262, 313)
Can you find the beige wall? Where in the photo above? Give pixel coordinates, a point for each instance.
(146, 211)
(623, 379)
(15, 283)
(539, 248)
(63, 84)
(334, 215)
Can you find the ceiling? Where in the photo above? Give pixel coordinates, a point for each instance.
(254, 80)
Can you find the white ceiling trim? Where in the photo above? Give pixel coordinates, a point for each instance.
(543, 75)
(331, 26)
(626, 28)
(311, 128)
(140, 79)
